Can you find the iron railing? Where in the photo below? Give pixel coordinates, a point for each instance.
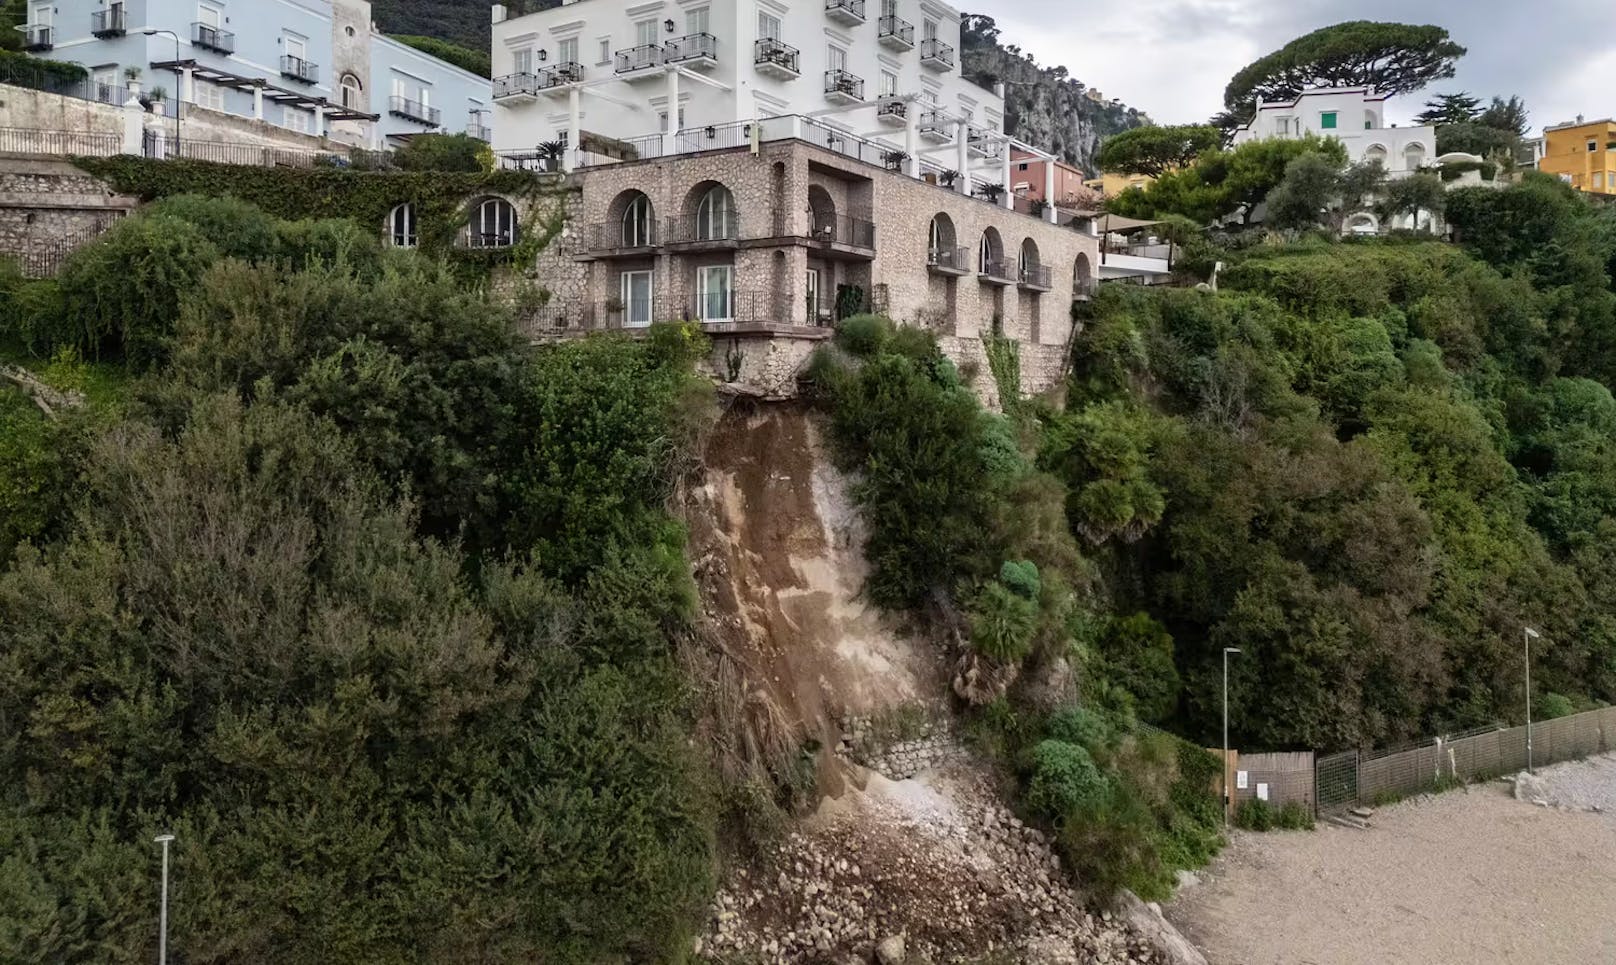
(949, 259)
(512, 85)
(414, 111)
(893, 108)
(209, 37)
(702, 46)
(694, 230)
(299, 69)
(997, 269)
(932, 49)
(638, 58)
(229, 152)
(37, 37)
(838, 229)
(933, 122)
(738, 306)
(713, 137)
(44, 257)
(558, 75)
(1036, 276)
(618, 236)
(849, 8)
(22, 140)
(838, 81)
(775, 53)
(618, 313)
(108, 23)
(895, 28)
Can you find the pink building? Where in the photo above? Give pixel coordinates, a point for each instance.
(1027, 179)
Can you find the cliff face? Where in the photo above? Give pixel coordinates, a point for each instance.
(1044, 106)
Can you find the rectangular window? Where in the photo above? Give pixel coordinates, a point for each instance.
(209, 95)
(696, 21)
(928, 29)
(399, 89)
(1593, 146)
(889, 83)
(715, 293)
(605, 50)
(1327, 120)
(645, 33)
(567, 51)
(1599, 179)
(889, 8)
(636, 293)
(835, 58)
(296, 48)
(295, 119)
(209, 16)
(812, 288)
(426, 97)
(768, 26)
(523, 62)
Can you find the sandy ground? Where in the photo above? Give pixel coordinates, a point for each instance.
(1471, 876)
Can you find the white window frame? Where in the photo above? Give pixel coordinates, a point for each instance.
(698, 20)
(207, 94)
(295, 47)
(835, 57)
(350, 84)
(401, 226)
(498, 215)
(638, 225)
(928, 29)
(294, 118)
(626, 281)
(210, 16)
(645, 33)
(768, 26)
(715, 215)
(567, 51)
(811, 289)
(889, 84)
(715, 303)
(522, 61)
(41, 15)
(605, 51)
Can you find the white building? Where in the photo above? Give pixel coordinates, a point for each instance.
(1356, 116)
(646, 78)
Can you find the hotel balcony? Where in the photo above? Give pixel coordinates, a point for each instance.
(553, 80)
(515, 87)
(37, 38)
(996, 271)
(949, 261)
(896, 33)
(838, 236)
(1035, 278)
(637, 62)
(842, 87)
(414, 111)
(775, 59)
(696, 51)
(209, 37)
(936, 128)
(108, 23)
(300, 70)
(936, 54)
(893, 112)
(849, 12)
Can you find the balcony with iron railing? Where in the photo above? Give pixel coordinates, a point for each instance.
(776, 59)
(843, 87)
(702, 232)
(614, 239)
(109, 23)
(558, 76)
(843, 234)
(936, 54)
(692, 50)
(519, 86)
(38, 38)
(209, 37)
(414, 111)
(850, 12)
(299, 69)
(479, 131)
(721, 311)
(895, 32)
(934, 126)
(949, 260)
(894, 112)
(997, 271)
(1036, 278)
(637, 59)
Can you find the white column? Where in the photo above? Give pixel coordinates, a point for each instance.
(1008, 198)
(1049, 190)
(911, 137)
(258, 102)
(134, 122)
(319, 120)
(962, 161)
(188, 86)
(569, 158)
(668, 139)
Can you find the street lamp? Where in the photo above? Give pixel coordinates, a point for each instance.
(1225, 778)
(1530, 634)
(179, 95)
(162, 915)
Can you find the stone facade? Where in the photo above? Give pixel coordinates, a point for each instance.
(48, 207)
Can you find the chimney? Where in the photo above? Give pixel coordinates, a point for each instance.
(499, 13)
(998, 88)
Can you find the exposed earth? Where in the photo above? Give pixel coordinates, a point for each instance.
(1470, 876)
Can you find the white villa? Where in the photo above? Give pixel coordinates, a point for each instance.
(1356, 116)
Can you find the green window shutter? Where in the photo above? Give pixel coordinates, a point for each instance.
(1327, 120)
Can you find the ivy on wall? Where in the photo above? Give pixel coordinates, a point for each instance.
(443, 200)
(1004, 361)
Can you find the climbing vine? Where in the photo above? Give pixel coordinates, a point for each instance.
(1004, 361)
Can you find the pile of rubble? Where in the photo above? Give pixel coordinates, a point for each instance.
(932, 870)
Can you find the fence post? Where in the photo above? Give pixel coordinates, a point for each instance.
(134, 122)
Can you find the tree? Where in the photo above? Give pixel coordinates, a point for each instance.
(1474, 137)
(1317, 190)
(1413, 195)
(1223, 183)
(1393, 58)
(1156, 150)
(474, 61)
(1511, 116)
(1457, 108)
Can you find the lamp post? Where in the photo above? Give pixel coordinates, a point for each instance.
(162, 914)
(1530, 633)
(179, 95)
(1225, 778)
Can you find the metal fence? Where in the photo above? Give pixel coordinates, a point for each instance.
(55, 78)
(226, 152)
(41, 258)
(21, 140)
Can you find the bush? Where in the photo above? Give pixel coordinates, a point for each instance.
(1256, 815)
(334, 242)
(1081, 726)
(1551, 706)
(236, 228)
(1021, 578)
(1003, 624)
(864, 335)
(1065, 786)
(442, 152)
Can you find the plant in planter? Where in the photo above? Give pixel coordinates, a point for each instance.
(894, 160)
(1039, 206)
(948, 178)
(131, 73)
(992, 192)
(551, 153)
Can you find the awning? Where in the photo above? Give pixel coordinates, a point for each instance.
(1112, 222)
(278, 95)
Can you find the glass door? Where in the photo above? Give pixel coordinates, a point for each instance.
(637, 296)
(715, 294)
(812, 287)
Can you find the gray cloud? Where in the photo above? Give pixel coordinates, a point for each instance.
(1172, 58)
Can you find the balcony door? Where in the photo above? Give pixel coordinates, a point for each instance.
(696, 21)
(768, 26)
(812, 287)
(715, 293)
(637, 293)
(41, 16)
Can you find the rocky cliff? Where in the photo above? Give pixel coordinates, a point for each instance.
(1045, 106)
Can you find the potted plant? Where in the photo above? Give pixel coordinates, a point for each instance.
(1039, 206)
(551, 153)
(948, 178)
(894, 160)
(992, 192)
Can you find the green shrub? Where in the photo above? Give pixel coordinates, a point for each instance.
(451, 153)
(1550, 706)
(1081, 726)
(1021, 578)
(1138, 655)
(864, 335)
(1065, 786)
(474, 61)
(1255, 815)
(1003, 624)
(236, 228)
(1295, 816)
(335, 242)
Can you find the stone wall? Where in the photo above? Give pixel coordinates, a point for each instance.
(48, 207)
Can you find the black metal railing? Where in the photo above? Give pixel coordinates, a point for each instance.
(935, 50)
(839, 229)
(984, 142)
(414, 111)
(621, 236)
(570, 72)
(209, 37)
(933, 122)
(738, 306)
(701, 230)
(512, 85)
(1035, 276)
(713, 137)
(616, 313)
(480, 132)
(773, 52)
(108, 23)
(701, 46)
(895, 28)
(163, 147)
(37, 37)
(949, 259)
(838, 81)
(849, 8)
(893, 108)
(637, 58)
(299, 69)
(22, 140)
(997, 269)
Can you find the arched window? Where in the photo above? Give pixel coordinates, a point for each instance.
(715, 215)
(353, 92)
(401, 226)
(1376, 152)
(493, 224)
(989, 253)
(1029, 255)
(1414, 156)
(639, 226)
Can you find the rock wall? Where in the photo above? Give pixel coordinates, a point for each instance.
(48, 207)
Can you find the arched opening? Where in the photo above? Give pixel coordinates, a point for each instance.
(821, 214)
(635, 219)
(401, 231)
(1082, 276)
(710, 208)
(1414, 156)
(352, 92)
(1363, 223)
(1029, 258)
(1376, 152)
(941, 247)
(990, 254)
(493, 224)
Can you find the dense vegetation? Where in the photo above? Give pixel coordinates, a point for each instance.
(475, 61)
(369, 603)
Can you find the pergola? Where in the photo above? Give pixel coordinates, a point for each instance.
(261, 90)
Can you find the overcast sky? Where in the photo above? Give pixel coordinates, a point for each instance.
(1172, 58)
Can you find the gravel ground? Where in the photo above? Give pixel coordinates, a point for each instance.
(1470, 876)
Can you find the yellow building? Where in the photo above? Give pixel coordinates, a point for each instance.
(1111, 185)
(1582, 154)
